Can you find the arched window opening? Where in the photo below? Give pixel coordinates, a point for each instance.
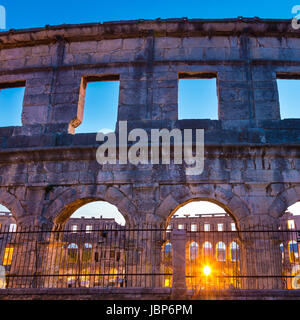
(194, 250)
(234, 251)
(282, 251)
(87, 252)
(221, 251)
(293, 251)
(290, 220)
(93, 241)
(7, 221)
(198, 216)
(167, 251)
(95, 215)
(8, 227)
(72, 252)
(207, 249)
(289, 224)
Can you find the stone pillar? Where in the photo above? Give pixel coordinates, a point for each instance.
(178, 239)
(155, 258)
(54, 254)
(131, 257)
(261, 265)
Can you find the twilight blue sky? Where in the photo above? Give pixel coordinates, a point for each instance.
(33, 13)
(197, 98)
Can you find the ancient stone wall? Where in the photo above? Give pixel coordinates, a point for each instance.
(251, 156)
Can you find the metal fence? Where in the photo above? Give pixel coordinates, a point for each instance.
(253, 259)
(150, 257)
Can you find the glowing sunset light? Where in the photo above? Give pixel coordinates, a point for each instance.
(207, 270)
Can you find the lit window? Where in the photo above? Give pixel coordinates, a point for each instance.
(234, 251)
(291, 224)
(221, 251)
(74, 227)
(233, 227)
(194, 250)
(87, 252)
(207, 248)
(7, 258)
(12, 227)
(72, 252)
(220, 226)
(167, 283)
(168, 250)
(206, 227)
(88, 228)
(193, 227)
(282, 251)
(293, 250)
(169, 228)
(113, 274)
(180, 226)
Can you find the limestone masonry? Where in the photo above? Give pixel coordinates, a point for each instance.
(251, 156)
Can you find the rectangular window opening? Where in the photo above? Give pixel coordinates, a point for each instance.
(291, 224)
(101, 104)
(193, 227)
(11, 103)
(289, 95)
(197, 96)
(220, 227)
(7, 257)
(206, 227)
(12, 227)
(88, 229)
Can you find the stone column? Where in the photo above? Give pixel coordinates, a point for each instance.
(154, 257)
(261, 265)
(131, 257)
(178, 239)
(54, 254)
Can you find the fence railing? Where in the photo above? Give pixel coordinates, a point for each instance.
(256, 259)
(150, 257)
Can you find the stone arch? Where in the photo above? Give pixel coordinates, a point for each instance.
(13, 204)
(284, 200)
(226, 199)
(60, 210)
